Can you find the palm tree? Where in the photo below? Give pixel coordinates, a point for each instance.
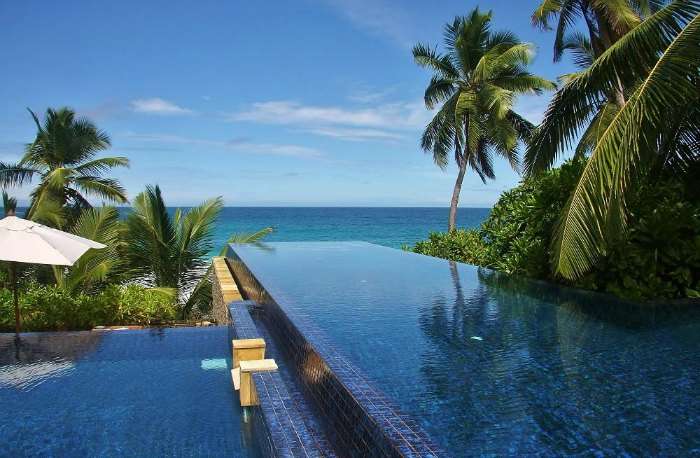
(9, 204)
(167, 251)
(657, 129)
(101, 224)
(476, 82)
(606, 21)
(63, 157)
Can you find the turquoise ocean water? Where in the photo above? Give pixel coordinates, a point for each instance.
(392, 227)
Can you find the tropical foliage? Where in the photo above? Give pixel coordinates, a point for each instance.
(51, 307)
(154, 266)
(170, 251)
(659, 259)
(605, 21)
(96, 267)
(474, 86)
(247, 237)
(63, 157)
(9, 204)
(655, 131)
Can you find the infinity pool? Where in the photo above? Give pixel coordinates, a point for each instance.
(149, 393)
(491, 364)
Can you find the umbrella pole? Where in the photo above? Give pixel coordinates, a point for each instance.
(13, 279)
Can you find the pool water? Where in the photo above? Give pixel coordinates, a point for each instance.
(160, 392)
(495, 365)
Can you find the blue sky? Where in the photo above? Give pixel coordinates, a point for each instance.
(310, 102)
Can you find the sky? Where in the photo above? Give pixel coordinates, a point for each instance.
(265, 103)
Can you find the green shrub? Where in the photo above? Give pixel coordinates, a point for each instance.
(47, 308)
(139, 305)
(659, 258)
(460, 245)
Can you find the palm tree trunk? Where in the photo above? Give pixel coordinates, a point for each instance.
(608, 38)
(452, 221)
(13, 280)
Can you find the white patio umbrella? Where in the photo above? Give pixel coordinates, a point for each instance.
(25, 241)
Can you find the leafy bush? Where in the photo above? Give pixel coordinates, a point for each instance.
(139, 305)
(459, 245)
(660, 258)
(52, 308)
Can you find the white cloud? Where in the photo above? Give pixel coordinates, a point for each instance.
(392, 116)
(352, 134)
(368, 96)
(156, 105)
(234, 145)
(277, 150)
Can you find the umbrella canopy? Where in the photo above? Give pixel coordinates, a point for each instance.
(26, 241)
(22, 240)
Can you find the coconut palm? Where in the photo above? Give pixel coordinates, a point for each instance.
(475, 84)
(63, 157)
(167, 251)
(605, 21)
(658, 128)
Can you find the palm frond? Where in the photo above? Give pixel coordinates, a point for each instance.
(9, 204)
(151, 240)
(581, 47)
(620, 14)
(569, 12)
(246, 237)
(439, 89)
(46, 208)
(101, 165)
(627, 148)
(15, 174)
(545, 12)
(573, 106)
(105, 188)
(439, 135)
(102, 225)
(591, 135)
(194, 234)
(430, 58)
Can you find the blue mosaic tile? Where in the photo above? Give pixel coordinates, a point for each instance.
(276, 418)
(360, 419)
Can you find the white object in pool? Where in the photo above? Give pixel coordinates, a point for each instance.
(477, 338)
(214, 364)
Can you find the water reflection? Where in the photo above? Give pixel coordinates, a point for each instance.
(30, 359)
(556, 371)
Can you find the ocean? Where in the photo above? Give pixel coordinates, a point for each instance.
(392, 227)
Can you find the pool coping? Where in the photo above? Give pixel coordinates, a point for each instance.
(391, 432)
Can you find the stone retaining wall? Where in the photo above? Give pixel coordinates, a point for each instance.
(223, 290)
